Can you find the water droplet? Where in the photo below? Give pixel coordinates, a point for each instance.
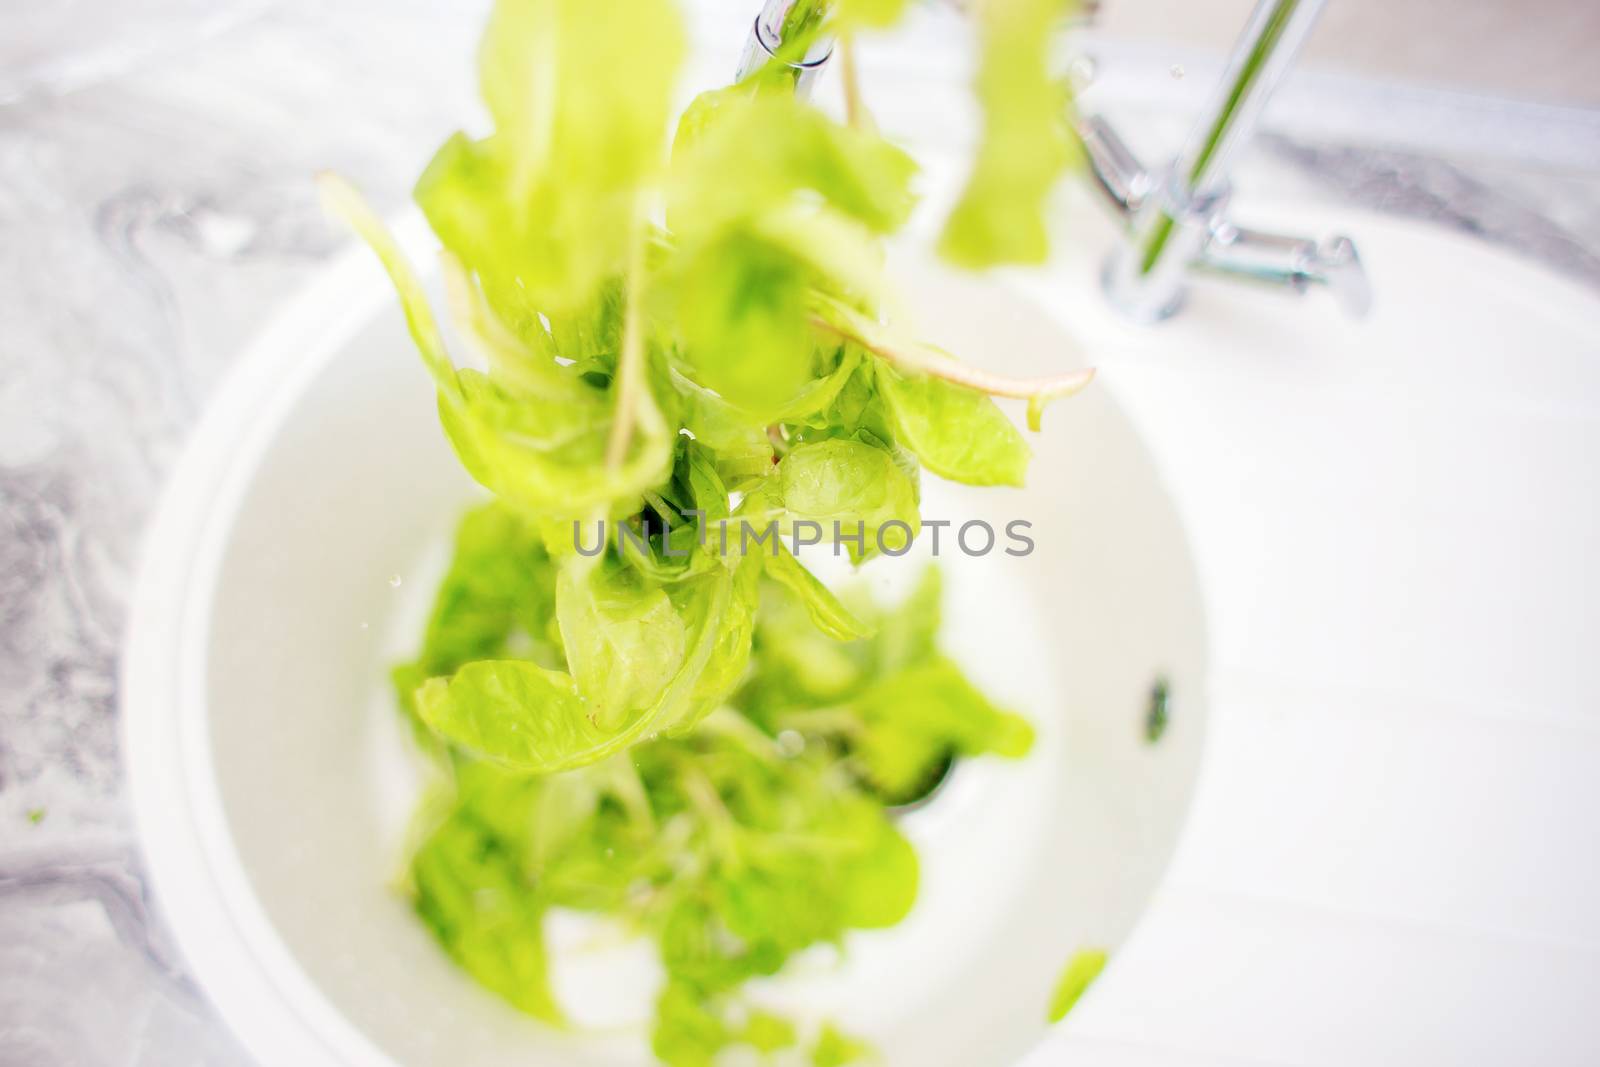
(394, 581)
(223, 236)
(1176, 70)
(363, 626)
(791, 743)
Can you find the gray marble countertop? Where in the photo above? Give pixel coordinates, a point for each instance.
(156, 207)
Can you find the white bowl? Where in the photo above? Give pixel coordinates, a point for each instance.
(271, 782)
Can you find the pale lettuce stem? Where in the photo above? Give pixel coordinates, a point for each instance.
(729, 723)
(722, 828)
(628, 787)
(855, 109)
(923, 359)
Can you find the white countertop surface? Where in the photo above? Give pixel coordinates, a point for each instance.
(1398, 667)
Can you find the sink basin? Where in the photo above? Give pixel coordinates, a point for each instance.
(292, 562)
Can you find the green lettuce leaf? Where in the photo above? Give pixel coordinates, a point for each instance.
(1026, 144)
(767, 1033)
(469, 890)
(879, 886)
(957, 433)
(687, 1033)
(742, 312)
(513, 713)
(835, 1048)
(543, 208)
(537, 721)
(498, 589)
(769, 199)
(860, 486)
(725, 664)
(850, 15)
(739, 154)
(1080, 972)
(341, 200)
(558, 467)
(827, 613)
(623, 640)
(917, 717)
(537, 439)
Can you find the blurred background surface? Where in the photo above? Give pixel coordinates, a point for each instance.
(1537, 50)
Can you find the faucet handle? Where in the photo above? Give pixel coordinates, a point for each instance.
(1340, 268)
(1296, 263)
(1117, 171)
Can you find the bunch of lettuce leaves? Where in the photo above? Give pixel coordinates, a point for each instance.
(761, 833)
(657, 331)
(664, 340)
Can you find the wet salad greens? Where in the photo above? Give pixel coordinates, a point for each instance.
(734, 846)
(657, 333)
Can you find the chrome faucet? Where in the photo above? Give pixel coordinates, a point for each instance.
(1177, 217)
(766, 37)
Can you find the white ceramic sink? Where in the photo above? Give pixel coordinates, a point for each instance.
(1385, 638)
(273, 783)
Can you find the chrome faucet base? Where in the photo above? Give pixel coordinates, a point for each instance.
(1177, 224)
